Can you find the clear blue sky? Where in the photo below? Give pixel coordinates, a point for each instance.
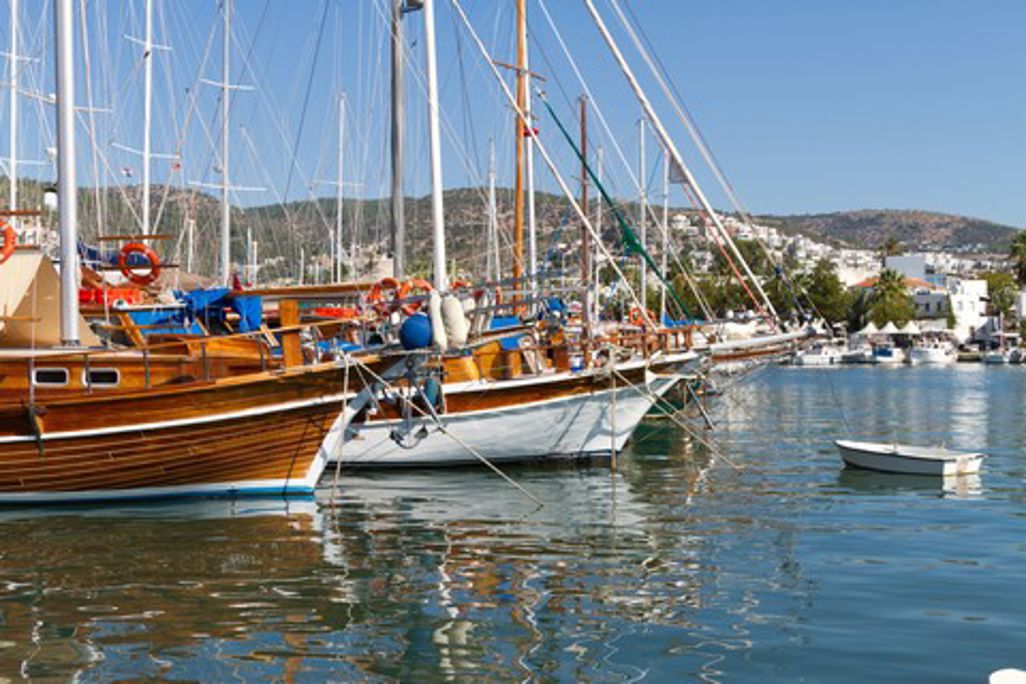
(809, 105)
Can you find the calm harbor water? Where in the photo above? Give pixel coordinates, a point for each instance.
(768, 563)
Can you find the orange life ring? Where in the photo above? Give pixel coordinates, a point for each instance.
(153, 265)
(638, 318)
(10, 242)
(408, 288)
(376, 296)
(459, 284)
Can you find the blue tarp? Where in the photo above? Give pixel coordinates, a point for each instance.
(511, 343)
(169, 322)
(680, 323)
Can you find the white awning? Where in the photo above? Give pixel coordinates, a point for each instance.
(889, 329)
(911, 328)
(870, 329)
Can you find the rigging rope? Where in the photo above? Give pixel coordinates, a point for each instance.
(630, 239)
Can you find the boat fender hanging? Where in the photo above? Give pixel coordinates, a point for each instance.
(130, 271)
(455, 322)
(415, 332)
(10, 242)
(437, 325)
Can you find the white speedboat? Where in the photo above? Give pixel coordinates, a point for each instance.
(860, 354)
(997, 357)
(818, 355)
(932, 353)
(909, 460)
(886, 354)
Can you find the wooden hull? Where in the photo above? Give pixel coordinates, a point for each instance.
(262, 434)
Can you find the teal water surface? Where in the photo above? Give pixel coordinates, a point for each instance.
(766, 562)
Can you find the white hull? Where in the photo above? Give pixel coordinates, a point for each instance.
(817, 360)
(996, 358)
(931, 356)
(908, 460)
(567, 427)
(897, 356)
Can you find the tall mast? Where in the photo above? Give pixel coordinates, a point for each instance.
(493, 269)
(678, 161)
(67, 189)
(532, 233)
(585, 241)
(666, 235)
(147, 110)
(226, 214)
(518, 192)
(435, 135)
(13, 64)
(338, 189)
(398, 123)
(643, 209)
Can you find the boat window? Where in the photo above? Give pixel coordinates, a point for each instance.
(102, 377)
(50, 377)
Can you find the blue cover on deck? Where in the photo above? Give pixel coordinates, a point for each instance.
(167, 322)
(511, 343)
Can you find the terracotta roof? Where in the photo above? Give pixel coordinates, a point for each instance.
(910, 283)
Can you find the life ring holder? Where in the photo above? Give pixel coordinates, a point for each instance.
(641, 318)
(10, 242)
(376, 296)
(407, 288)
(129, 271)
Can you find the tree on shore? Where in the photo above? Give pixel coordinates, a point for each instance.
(1002, 290)
(1018, 255)
(890, 300)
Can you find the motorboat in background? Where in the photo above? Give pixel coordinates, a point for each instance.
(819, 354)
(888, 354)
(933, 353)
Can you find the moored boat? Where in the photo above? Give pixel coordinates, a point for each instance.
(907, 459)
(934, 353)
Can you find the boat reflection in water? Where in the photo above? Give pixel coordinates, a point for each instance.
(949, 486)
(406, 575)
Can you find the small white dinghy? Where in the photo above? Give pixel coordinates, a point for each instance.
(909, 460)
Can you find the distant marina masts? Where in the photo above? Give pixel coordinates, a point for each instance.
(682, 172)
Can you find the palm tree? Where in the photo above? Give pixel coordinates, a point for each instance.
(1018, 255)
(890, 300)
(892, 247)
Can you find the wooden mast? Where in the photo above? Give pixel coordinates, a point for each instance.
(585, 237)
(518, 192)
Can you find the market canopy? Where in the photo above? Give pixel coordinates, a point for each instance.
(870, 329)
(889, 329)
(911, 328)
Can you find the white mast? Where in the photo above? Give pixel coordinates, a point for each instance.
(642, 218)
(671, 149)
(338, 189)
(13, 63)
(67, 190)
(666, 235)
(434, 133)
(147, 109)
(226, 215)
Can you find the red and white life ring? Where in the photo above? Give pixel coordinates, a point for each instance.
(10, 242)
(131, 272)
